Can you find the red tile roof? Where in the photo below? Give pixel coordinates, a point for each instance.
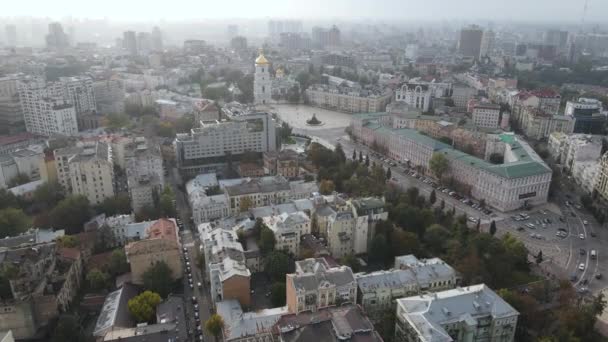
(162, 229)
(11, 139)
(69, 253)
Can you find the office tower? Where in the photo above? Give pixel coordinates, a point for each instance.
(239, 43)
(157, 39)
(559, 39)
(469, 44)
(11, 35)
(129, 41)
(56, 38)
(322, 37)
(109, 96)
(144, 43)
(488, 40)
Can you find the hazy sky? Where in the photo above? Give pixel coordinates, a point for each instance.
(545, 10)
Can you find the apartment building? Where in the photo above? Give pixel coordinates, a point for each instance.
(569, 149)
(461, 95)
(538, 124)
(21, 162)
(474, 313)
(86, 169)
(124, 228)
(377, 291)
(288, 228)
(523, 179)
(44, 112)
(109, 96)
(601, 185)
(546, 100)
(11, 115)
(161, 244)
(316, 285)
(240, 326)
(213, 142)
(257, 192)
(229, 277)
(415, 95)
(486, 115)
(348, 99)
(283, 163)
(145, 174)
(78, 91)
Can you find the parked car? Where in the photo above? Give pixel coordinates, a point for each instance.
(581, 267)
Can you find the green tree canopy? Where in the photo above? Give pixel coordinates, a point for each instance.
(117, 205)
(143, 306)
(71, 214)
(267, 240)
(277, 294)
(13, 222)
(215, 325)
(118, 262)
(158, 278)
(97, 280)
(277, 264)
(68, 328)
(438, 164)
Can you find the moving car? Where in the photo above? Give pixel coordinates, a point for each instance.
(581, 267)
(581, 236)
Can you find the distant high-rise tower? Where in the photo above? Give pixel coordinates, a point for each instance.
(56, 38)
(469, 44)
(11, 35)
(157, 39)
(261, 81)
(232, 31)
(129, 41)
(487, 43)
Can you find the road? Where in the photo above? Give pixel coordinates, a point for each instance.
(190, 241)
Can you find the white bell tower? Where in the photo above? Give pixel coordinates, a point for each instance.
(261, 81)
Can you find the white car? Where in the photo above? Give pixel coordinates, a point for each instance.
(581, 236)
(581, 267)
(585, 222)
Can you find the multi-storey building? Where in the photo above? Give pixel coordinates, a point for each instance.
(242, 326)
(486, 115)
(469, 44)
(315, 286)
(415, 95)
(538, 124)
(86, 169)
(24, 162)
(288, 229)
(377, 291)
(11, 115)
(44, 112)
(109, 96)
(257, 192)
(209, 145)
(588, 115)
(474, 313)
(161, 244)
(547, 100)
(283, 163)
(229, 277)
(77, 90)
(348, 99)
(145, 175)
(601, 185)
(523, 179)
(574, 148)
(462, 94)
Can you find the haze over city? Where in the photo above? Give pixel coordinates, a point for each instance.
(304, 171)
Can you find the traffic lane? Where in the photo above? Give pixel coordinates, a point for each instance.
(201, 299)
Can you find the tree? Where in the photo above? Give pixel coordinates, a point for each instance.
(143, 306)
(436, 237)
(539, 257)
(339, 152)
(433, 198)
(71, 214)
(442, 204)
(13, 222)
(97, 279)
(351, 261)
(354, 155)
(215, 325)
(367, 160)
(117, 120)
(19, 179)
(492, 228)
(478, 225)
(118, 262)
(277, 264)
(7, 199)
(267, 240)
(360, 157)
(438, 164)
(166, 206)
(245, 203)
(379, 250)
(388, 173)
(68, 241)
(158, 278)
(277, 294)
(327, 187)
(117, 205)
(68, 328)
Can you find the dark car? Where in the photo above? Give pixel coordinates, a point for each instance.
(592, 234)
(572, 214)
(582, 251)
(598, 276)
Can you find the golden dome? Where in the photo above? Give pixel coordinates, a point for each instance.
(261, 60)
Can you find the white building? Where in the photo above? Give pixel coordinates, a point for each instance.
(586, 174)
(379, 290)
(212, 142)
(416, 95)
(86, 169)
(262, 83)
(583, 105)
(475, 313)
(486, 115)
(24, 162)
(77, 90)
(287, 229)
(45, 113)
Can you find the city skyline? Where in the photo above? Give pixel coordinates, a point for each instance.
(341, 9)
